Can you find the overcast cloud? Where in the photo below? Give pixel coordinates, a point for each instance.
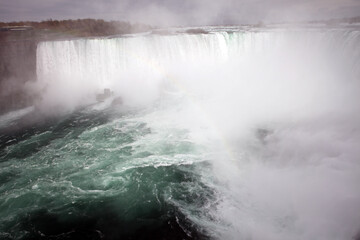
(180, 12)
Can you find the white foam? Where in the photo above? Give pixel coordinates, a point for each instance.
(14, 115)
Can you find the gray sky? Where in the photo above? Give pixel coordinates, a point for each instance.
(180, 12)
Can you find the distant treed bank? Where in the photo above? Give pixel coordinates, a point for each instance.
(78, 28)
(18, 41)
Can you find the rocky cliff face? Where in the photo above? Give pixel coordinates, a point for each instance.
(17, 68)
(18, 43)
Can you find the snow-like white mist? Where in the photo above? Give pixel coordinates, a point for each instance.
(277, 111)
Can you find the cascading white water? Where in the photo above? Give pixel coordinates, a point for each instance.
(106, 59)
(144, 62)
(276, 109)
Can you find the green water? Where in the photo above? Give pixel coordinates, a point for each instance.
(101, 175)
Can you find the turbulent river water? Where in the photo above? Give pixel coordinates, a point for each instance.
(232, 134)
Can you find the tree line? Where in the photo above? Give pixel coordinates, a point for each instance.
(83, 27)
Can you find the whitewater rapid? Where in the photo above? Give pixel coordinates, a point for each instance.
(232, 134)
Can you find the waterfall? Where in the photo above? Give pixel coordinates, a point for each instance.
(144, 63)
(108, 59)
(232, 134)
